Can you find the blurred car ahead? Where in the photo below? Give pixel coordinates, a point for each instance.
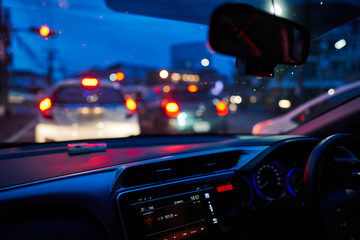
(308, 110)
(86, 109)
(182, 109)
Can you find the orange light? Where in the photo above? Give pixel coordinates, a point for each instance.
(259, 127)
(192, 88)
(222, 108)
(90, 82)
(172, 109)
(45, 104)
(166, 89)
(44, 31)
(131, 104)
(120, 76)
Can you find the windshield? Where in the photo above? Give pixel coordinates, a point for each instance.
(153, 69)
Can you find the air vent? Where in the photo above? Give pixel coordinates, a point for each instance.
(179, 168)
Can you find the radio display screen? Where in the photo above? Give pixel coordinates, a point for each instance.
(178, 216)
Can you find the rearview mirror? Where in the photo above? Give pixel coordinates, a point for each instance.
(252, 35)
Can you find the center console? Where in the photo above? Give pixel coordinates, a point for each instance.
(181, 210)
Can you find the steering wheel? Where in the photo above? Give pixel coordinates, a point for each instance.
(332, 186)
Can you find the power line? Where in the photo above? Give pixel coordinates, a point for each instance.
(43, 14)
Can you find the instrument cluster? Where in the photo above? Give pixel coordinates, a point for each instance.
(272, 180)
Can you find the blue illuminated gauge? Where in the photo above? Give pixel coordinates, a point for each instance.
(269, 181)
(295, 181)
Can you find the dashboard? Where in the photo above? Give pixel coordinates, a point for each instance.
(202, 187)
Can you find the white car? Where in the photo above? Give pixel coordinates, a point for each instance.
(309, 110)
(86, 109)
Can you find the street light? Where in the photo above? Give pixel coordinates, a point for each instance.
(164, 74)
(43, 31)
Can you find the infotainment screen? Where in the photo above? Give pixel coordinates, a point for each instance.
(183, 215)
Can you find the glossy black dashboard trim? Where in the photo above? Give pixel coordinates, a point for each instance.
(256, 160)
(249, 153)
(107, 169)
(121, 168)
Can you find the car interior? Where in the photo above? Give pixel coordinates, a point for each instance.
(300, 185)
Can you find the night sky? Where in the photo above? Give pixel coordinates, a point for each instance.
(91, 35)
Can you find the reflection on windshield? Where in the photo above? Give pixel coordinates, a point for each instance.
(147, 65)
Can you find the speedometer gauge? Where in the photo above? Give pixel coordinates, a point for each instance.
(269, 180)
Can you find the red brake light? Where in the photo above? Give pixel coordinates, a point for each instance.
(45, 104)
(302, 117)
(90, 82)
(131, 104)
(45, 107)
(222, 108)
(172, 109)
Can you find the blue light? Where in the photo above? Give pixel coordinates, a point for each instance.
(288, 180)
(258, 190)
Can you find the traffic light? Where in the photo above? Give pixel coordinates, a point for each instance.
(43, 31)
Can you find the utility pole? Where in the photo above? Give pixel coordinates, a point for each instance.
(4, 60)
(51, 53)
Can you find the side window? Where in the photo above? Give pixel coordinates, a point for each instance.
(326, 105)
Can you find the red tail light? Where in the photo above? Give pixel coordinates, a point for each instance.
(90, 82)
(222, 108)
(45, 108)
(172, 109)
(131, 104)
